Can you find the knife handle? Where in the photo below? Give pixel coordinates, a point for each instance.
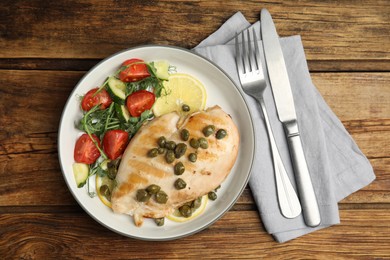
(311, 213)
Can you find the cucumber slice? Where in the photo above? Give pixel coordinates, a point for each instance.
(162, 67)
(117, 90)
(104, 163)
(122, 112)
(80, 172)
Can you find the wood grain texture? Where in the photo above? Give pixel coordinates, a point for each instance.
(47, 46)
(356, 96)
(85, 64)
(239, 234)
(360, 100)
(95, 29)
(28, 144)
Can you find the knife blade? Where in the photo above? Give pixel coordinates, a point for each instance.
(281, 88)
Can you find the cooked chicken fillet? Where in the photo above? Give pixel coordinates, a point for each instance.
(138, 171)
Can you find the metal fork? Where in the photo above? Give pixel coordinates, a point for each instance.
(253, 83)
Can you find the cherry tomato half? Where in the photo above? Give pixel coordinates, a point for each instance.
(114, 143)
(140, 101)
(85, 151)
(91, 99)
(135, 70)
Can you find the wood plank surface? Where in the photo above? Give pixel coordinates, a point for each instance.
(360, 100)
(28, 145)
(46, 48)
(239, 234)
(74, 64)
(330, 30)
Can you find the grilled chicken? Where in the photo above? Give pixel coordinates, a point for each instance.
(138, 171)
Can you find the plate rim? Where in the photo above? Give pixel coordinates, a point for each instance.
(231, 203)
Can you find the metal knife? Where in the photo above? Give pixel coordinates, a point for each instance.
(284, 101)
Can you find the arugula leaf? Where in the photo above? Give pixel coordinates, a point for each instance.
(133, 125)
(158, 87)
(151, 83)
(98, 121)
(148, 83)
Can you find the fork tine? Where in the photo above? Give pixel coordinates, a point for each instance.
(257, 51)
(250, 52)
(245, 53)
(239, 57)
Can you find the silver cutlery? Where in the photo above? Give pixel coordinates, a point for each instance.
(284, 101)
(253, 83)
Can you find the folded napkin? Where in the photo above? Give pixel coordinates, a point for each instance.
(336, 165)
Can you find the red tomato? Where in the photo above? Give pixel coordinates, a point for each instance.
(135, 70)
(140, 101)
(85, 151)
(114, 143)
(91, 99)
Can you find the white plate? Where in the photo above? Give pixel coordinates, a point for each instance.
(220, 90)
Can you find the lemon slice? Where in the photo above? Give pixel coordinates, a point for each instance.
(177, 217)
(181, 89)
(100, 181)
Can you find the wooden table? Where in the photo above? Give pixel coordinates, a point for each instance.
(47, 46)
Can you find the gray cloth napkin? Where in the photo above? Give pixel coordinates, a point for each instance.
(337, 166)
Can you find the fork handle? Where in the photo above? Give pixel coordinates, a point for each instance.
(287, 197)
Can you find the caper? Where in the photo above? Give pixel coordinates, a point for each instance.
(188, 203)
(113, 164)
(159, 221)
(153, 152)
(219, 186)
(180, 184)
(196, 203)
(203, 143)
(161, 150)
(208, 130)
(142, 195)
(194, 143)
(185, 108)
(184, 134)
(185, 211)
(192, 157)
(212, 195)
(170, 145)
(111, 172)
(169, 156)
(105, 191)
(161, 197)
(221, 133)
(153, 189)
(179, 168)
(180, 150)
(161, 141)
